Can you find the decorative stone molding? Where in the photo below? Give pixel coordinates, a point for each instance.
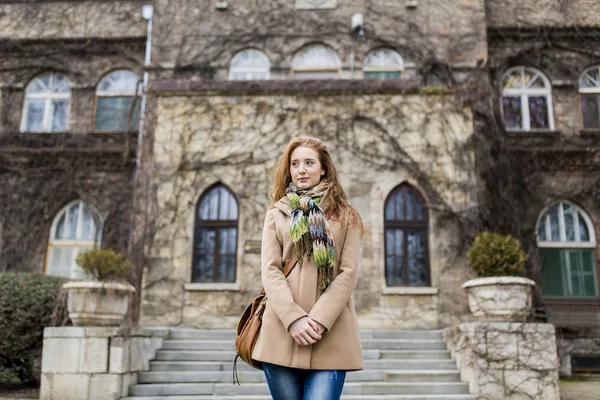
(507, 361)
(219, 287)
(95, 363)
(411, 291)
(502, 298)
(315, 4)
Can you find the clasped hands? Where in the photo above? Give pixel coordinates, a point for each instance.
(306, 331)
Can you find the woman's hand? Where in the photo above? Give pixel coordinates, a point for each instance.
(317, 326)
(304, 331)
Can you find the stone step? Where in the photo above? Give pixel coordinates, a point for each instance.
(379, 344)
(368, 364)
(410, 354)
(345, 397)
(403, 344)
(350, 388)
(220, 334)
(229, 355)
(258, 376)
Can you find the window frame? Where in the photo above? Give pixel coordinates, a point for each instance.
(563, 244)
(327, 68)
(524, 94)
(57, 243)
(200, 224)
(588, 91)
(137, 96)
(407, 226)
(48, 98)
(249, 70)
(400, 68)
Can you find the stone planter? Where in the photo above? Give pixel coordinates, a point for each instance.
(97, 303)
(502, 298)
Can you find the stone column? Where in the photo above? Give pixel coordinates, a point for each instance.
(506, 360)
(95, 363)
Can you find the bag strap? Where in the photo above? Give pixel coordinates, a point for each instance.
(290, 265)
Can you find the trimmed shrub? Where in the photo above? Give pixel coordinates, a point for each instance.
(27, 305)
(493, 254)
(104, 265)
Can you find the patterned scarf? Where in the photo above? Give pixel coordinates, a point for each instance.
(309, 229)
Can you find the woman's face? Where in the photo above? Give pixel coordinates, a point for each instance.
(305, 168)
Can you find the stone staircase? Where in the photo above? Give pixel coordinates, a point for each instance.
(399, 365)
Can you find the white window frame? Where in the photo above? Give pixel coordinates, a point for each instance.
(248, 69)
(590, 90)
(326, 68)
(48, 111)
(568, 274)
(53, 242)
(525, 93)
(563, 243)
(383, 68)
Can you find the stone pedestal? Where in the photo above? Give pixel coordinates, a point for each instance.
(95, 363)
(506, 360)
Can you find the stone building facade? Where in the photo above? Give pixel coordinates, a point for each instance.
(484, 113)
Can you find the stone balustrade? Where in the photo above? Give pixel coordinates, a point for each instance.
(95, 363)
(506, 360)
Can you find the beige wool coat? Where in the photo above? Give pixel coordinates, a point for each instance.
(298, 296)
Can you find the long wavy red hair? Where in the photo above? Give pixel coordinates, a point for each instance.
(338, 200)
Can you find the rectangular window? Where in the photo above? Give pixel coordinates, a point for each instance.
(60, 115)
(117, 114)
(62, 261)
(512, 112)
(590, 107)
(538, 112)
(382, 75)
(569, 272)
(35, 116)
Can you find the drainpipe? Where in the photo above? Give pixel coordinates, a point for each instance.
(147, 13)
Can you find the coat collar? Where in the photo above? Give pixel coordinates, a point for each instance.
(283, 204)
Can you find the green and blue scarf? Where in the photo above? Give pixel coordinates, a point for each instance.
(309, 229)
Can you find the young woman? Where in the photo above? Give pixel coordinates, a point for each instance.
(309, 336)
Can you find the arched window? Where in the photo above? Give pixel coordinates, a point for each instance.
(316, 62)
(566, 240)
(248, 65)
(75, 229)
(589, 90)
(406, 228)
(383, 64)
(47, 104)
(527, 100)
(118, 102)
(215, 243)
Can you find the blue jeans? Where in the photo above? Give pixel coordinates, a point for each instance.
(303, 384)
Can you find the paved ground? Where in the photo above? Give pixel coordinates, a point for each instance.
(569, 390)
(11, 392)
(580, 389)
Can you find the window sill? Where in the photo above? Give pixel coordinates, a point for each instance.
(212, 287)
(411, 291)
(533, 132)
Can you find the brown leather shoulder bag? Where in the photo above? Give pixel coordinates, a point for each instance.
(249, 327)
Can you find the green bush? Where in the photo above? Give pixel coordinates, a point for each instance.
(104, 265)
(27, 305)
(493, 254)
